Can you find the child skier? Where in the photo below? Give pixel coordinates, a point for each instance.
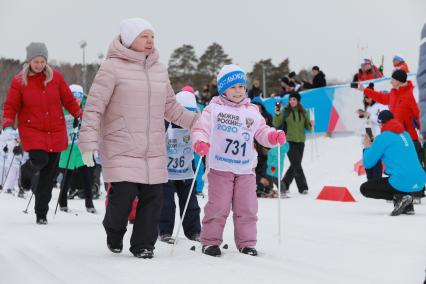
(71, 160)
(229, 125)
(181, 175)
(12, 165)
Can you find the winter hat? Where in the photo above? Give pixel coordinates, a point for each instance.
(367, 61)
(187, 100)
(384, 116)
(399, 58)
(229, 76)
(295, 95)
(131, 28)
(77, 91)
(35, 49)
(285, 80)
(400, 75)
(188, 89)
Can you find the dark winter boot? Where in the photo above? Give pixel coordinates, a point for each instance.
(249, 251)
(409, 210)
(63, 208)
(212, 250)
(166, 238)
(400, 204)
(41, 220)
(89, 206)
(115, 247)
(91, 210)
(144, 253)
(21, 193)
(195, 237)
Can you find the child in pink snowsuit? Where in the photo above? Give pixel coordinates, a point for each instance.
(225, 133)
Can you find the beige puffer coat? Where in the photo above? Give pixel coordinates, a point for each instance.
(124, 114)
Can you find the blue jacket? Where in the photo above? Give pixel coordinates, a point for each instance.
(398, 154)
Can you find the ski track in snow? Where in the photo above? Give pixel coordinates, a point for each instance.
(322, 242)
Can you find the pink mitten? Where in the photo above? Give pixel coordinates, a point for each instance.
(201, 148)
(276, 137)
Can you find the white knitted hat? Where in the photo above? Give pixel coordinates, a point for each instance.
(131, 28)
(187, 100)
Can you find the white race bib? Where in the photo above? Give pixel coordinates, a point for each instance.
(232, 136)
(180, 154)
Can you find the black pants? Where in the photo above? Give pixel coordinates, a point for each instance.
(295, 171)
(191, 224)
(379, 189)
(375, 172)
(41, 169)
(84, 174)
(145, 227)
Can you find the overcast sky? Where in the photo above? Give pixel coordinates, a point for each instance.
(332, 34)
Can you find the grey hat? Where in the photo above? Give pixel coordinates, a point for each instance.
(36, 49)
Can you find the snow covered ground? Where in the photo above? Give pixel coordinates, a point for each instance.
(323, 242)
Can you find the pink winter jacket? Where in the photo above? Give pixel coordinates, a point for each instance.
(124, 116)
(202, 127)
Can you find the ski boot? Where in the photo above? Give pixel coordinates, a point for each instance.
(248, 251)
(166, 238)
(212, 250)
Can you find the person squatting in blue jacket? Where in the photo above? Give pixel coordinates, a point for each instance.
(405, 174)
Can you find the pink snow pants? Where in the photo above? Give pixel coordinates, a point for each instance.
(227, 189)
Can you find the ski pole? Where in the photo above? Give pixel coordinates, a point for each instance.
(8, 170)
(28, 205)
(186, 205)
(4, 164)
(66, 168)
(279, 194)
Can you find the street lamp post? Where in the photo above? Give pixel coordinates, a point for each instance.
(83, 45)
(264, 81)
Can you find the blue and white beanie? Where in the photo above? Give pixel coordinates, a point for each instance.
(77, 91)
(229, 76)
(399, 58)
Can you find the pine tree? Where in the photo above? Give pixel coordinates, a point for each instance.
(212, 60)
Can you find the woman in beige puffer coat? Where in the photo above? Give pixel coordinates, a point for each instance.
(128, 102)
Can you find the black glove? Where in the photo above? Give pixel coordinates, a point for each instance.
(5, 149)
(17, 150)
(75, 123)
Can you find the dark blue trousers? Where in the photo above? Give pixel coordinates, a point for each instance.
(191, 224)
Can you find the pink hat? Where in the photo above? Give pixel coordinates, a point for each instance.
(188, 88)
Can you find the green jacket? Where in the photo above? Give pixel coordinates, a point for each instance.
(76, 160)
(295, 124)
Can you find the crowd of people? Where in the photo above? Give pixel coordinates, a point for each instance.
(142, 136)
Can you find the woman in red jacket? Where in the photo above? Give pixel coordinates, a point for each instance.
(401, 103)
(36, 96)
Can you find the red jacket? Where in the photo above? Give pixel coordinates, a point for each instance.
(371, 74)
(41, 120)
(402, 66)
(402, 104)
